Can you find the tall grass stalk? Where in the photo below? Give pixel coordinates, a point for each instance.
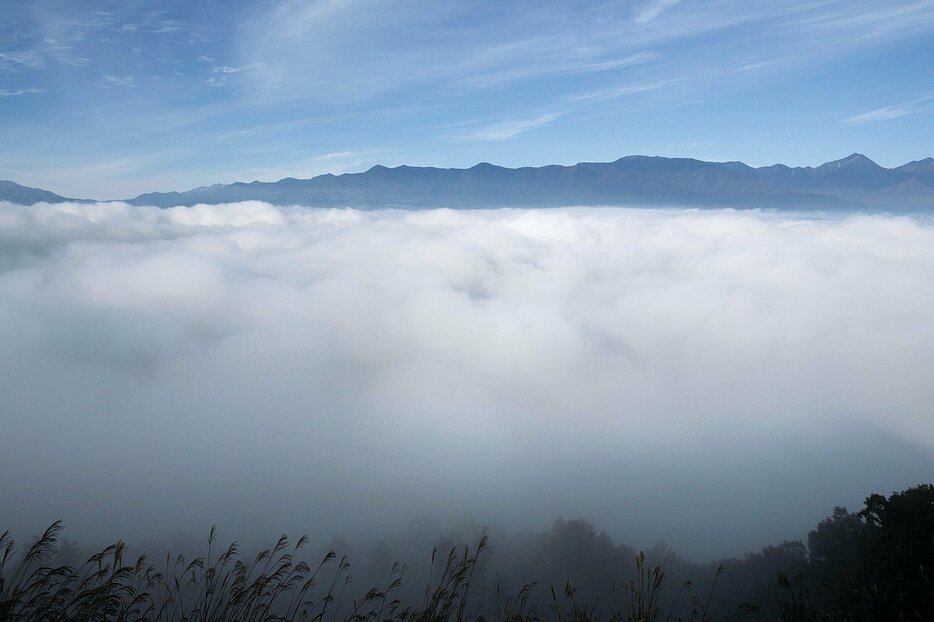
(272, 586)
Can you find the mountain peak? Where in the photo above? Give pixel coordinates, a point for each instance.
(854, 160)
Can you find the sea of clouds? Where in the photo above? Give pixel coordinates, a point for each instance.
(720, 379)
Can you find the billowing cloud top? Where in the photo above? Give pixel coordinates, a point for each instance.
(273, 367)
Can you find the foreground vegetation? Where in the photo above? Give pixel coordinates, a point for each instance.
(877, 564)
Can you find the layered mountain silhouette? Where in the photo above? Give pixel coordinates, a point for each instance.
(855, 182)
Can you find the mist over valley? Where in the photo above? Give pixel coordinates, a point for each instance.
(709, 378)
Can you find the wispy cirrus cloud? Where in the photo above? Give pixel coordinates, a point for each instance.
(589, 61)
(428, 45)
(653, 9)
(229, 69)
(221, 73)
(505, 130)
(880, 114)
(21, 60)
(628, 89)
(887, 113)
(121, 81)
(16, 92)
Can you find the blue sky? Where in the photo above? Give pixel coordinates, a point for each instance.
(111, 99)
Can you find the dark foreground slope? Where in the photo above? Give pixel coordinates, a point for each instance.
(858, 567)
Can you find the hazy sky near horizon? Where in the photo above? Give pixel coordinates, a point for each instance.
(108, 99)
(718, 379)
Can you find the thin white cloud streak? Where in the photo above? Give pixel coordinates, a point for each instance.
(16, 92)
(228, 69)
(919, 105)
(21, 60)
(623, 91)
(505, 130)
(119, 81)
(337, 364)
(488, 77)
(880, 114)
(862, 22)
(653, 9)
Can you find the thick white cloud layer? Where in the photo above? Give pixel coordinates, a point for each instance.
(709, 377)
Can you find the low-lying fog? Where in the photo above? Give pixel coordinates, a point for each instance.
(716, 379)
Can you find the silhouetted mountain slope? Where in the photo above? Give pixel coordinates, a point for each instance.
(853, 182)
(922, 170)
(15, 193)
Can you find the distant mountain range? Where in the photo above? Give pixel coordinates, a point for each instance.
(855, 182)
